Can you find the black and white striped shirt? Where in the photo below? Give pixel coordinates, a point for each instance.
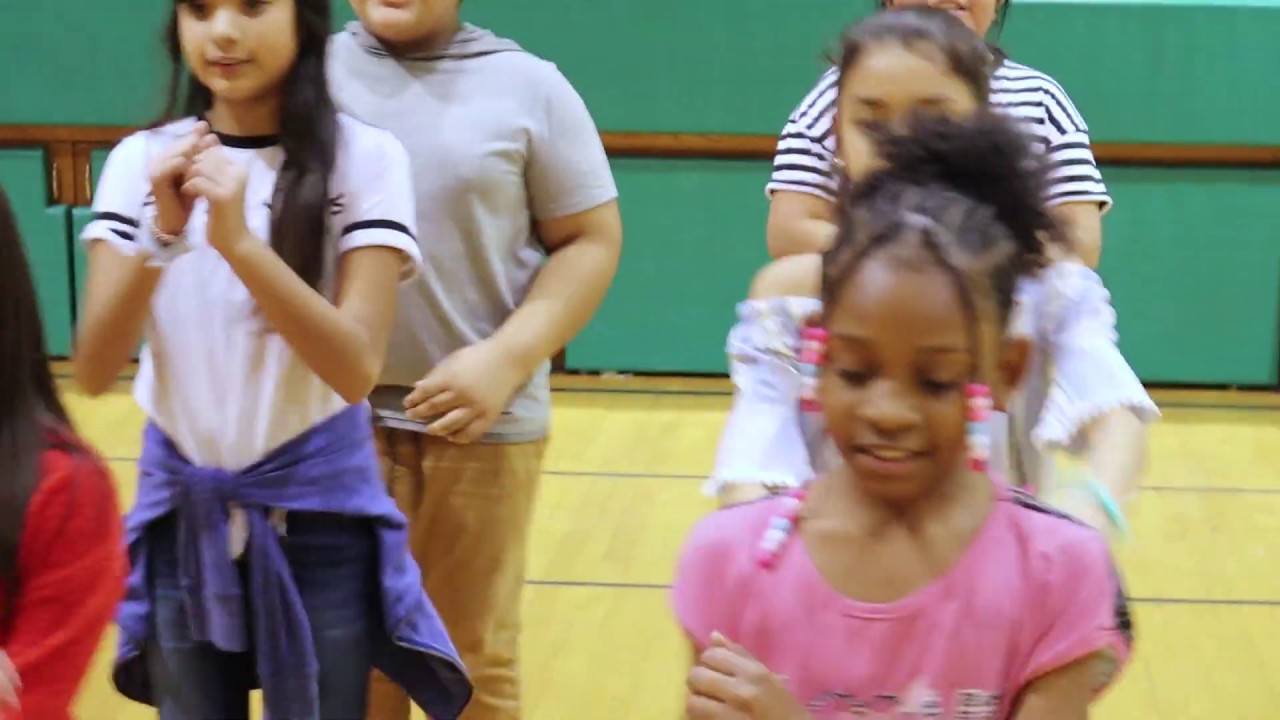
(806, 152)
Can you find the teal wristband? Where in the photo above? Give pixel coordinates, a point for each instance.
(1109, 505)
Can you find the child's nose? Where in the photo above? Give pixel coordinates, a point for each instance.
(889, 409)
(225, 25)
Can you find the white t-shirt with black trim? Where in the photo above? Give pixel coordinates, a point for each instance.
(806, 154)
(213, 376)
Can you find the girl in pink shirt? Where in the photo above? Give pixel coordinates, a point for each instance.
(904, 581)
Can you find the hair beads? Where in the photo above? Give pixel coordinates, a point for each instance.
(809, 360)
(813, 353)
(977, 435)
(780, 528)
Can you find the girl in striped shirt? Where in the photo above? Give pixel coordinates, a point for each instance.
(934, 61)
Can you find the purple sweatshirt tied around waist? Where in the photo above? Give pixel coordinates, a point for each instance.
(332, 468)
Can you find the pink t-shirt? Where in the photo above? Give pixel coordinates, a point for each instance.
(1034, 592)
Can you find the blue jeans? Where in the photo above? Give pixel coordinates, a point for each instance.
(334, 560)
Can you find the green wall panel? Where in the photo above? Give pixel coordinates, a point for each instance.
(638, 63)
(1192, 257)
(99, 63)
(44, 232)
(1172, 70)
(97, 161)
(1189, 311)
(80, 217)
(694, 238)
(1148, 72)
(1140, 71)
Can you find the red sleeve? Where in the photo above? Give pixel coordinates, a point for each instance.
(71, 573)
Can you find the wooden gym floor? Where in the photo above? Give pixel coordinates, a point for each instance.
(621, 489)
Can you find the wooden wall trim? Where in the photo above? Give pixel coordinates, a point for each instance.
(70, 146)
(763, 146)
(33, 134)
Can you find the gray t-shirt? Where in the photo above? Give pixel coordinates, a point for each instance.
(499, 140)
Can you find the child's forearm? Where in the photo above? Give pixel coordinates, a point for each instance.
(117, 304)
(800, 236)
(1117, 453)
(1082, 224)
(798, 224)
(336, 347)
(1116, 457)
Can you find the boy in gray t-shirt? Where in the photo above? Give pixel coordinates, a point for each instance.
(520, 233)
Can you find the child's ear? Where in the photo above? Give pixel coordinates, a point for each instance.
(1015, 358)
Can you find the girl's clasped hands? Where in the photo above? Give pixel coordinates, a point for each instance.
(197, 167)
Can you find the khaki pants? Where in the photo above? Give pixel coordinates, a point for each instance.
(469, 510)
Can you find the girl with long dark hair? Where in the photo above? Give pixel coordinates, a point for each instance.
(255, 240)
(62, 563)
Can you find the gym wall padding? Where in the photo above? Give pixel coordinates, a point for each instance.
(1141, 71)
(694, 237)
(44, 232)
(1191, 256)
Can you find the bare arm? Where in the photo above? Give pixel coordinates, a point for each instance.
(804, 181)
(1082, 222)
(1118, 438)
(1118, 458)
(344, 345)
(584, 250)
(799, 223)
(1063, 694)
(120, 284)
(117, 303)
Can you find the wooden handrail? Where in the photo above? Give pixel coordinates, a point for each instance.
(98, 134)
(70, 146)
(763, 147)
(714, 145)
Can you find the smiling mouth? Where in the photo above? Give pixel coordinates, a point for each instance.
(890, 455)
(887, 463)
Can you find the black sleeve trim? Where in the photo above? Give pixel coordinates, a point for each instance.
(115, 217)
(378, 225)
